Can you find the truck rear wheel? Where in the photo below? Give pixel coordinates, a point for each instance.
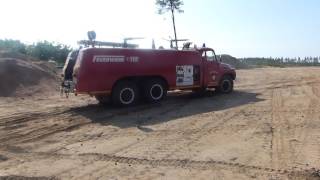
(125, 93)
(225, 85)
(154, 90)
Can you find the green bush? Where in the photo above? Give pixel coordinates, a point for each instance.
(42, 50)
(13, 45)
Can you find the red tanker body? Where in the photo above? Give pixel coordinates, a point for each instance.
(127, 75)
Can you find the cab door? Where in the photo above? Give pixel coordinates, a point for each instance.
(211, 68)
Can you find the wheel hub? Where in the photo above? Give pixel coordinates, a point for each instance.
(127, 95)
(225, 85)
(156, 91)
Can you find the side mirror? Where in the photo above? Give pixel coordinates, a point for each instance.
(219, 58)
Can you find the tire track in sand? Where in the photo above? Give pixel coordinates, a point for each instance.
(284, 152)
(279, 145)
(310, 115)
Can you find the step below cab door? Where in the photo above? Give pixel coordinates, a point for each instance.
(211, 68)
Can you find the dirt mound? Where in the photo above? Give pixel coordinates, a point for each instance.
(19, 77)
(7, 53)
(233, 62)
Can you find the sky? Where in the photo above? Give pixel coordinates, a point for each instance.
(241, 28)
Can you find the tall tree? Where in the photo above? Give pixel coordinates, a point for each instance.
(172, 6)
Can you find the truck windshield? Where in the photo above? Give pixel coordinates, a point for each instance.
(210, 56)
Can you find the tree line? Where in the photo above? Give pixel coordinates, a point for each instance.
(42, 50)
(45, 50)
(281, 61)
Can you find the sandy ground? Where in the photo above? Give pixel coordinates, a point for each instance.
(269, 128)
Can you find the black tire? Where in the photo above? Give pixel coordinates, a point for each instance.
(154, 90)
(103, 99)
(125, 93)
(225, 85)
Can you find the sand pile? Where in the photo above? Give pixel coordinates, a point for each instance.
(233, 62)
(24, 77)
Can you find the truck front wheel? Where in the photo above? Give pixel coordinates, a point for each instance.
(125, 93)
(154, 90)
(225, 85)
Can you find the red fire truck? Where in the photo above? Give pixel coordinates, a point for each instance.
(126, 75)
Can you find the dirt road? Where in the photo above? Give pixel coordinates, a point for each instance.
(269, 128)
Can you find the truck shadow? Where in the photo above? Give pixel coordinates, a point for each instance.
(176, 105)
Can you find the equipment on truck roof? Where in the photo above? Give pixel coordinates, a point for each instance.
(88, 43)
(92, 42)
